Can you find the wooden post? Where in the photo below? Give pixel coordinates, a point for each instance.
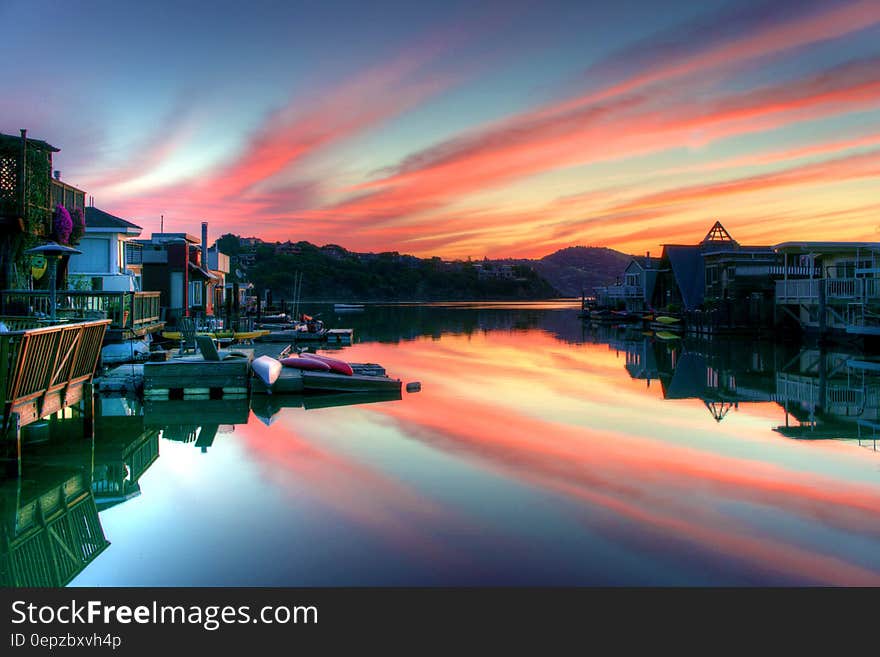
(11, 447)
(88, 402)
(235, 303)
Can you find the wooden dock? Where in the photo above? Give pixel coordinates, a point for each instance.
(193, 377)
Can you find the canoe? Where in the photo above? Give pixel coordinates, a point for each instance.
(335, 365)
(667, 335)
(663, 319)
(290, 381)
(267, 369)
(343, 383)
(306, 364)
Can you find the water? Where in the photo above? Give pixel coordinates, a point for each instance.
(539, 451)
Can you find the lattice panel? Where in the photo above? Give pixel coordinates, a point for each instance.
(8, 177)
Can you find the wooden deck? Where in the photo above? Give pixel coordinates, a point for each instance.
(131, 314)
(44, 370)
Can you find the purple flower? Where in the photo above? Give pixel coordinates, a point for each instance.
(62, 224)
(79, 225)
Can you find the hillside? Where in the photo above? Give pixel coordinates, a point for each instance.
(581, 268)
(331, 272)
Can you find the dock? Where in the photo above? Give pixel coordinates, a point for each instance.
(193, 377)
(330, 336)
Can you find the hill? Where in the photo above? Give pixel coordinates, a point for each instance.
(331, 272)
(581, 268)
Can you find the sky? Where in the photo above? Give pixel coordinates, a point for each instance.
(460, 129)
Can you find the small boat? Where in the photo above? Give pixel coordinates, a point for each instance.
(219, 335)
(348, 307)
(305, 364)
(267, 369)
(343, 383)
(665, 319)
(667, 335)
(333, 364)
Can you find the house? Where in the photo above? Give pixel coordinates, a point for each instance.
(107, 262)
(172, 265)
(28, 197)
(720, 277)
(828, 287)
(635, 292)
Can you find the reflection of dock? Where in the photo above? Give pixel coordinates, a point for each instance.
(51, 530)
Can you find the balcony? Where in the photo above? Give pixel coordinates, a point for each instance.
(806, 290)
(134, 313)
(622, 292)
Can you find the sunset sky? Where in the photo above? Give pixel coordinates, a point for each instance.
(459, 128)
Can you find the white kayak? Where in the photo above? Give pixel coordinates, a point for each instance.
(267, 369)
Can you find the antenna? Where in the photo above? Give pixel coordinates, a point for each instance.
(161, 223)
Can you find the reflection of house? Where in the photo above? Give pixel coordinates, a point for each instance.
(124, 450)
(104, 262)
(831, 286)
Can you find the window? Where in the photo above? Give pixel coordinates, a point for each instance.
(195, 293)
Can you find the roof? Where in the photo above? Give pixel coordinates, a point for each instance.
(96, 218)
(826, 247)
(645, 261)
(5, 140)
(718, 235)
(203, 273)
(687, 268)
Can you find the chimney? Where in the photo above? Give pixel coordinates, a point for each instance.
(204, 244)
(57, 174)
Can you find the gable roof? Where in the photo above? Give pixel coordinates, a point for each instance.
(686, 263)
(96, 218)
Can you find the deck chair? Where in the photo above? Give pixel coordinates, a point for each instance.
(210, 352)
(187, 334)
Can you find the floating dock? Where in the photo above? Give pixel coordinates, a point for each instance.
(193, 377)
(330, 336)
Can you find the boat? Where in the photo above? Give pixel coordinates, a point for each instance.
(348, 307)
(331, 381)
(333, 364)
(667, 335)
(219, 335)
(267, 369)
(665, 319)
(305, 364)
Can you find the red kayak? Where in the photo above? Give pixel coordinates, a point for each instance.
(336, 365)
(306, 364)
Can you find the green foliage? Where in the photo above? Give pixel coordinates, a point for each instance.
(336, 274)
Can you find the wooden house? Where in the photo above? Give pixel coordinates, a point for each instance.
(28, 197)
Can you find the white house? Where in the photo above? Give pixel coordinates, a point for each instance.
(104, 264)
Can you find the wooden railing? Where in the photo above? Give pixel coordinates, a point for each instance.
(43, 370)
(133, 311)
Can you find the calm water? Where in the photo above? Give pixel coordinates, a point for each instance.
(539, 451)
